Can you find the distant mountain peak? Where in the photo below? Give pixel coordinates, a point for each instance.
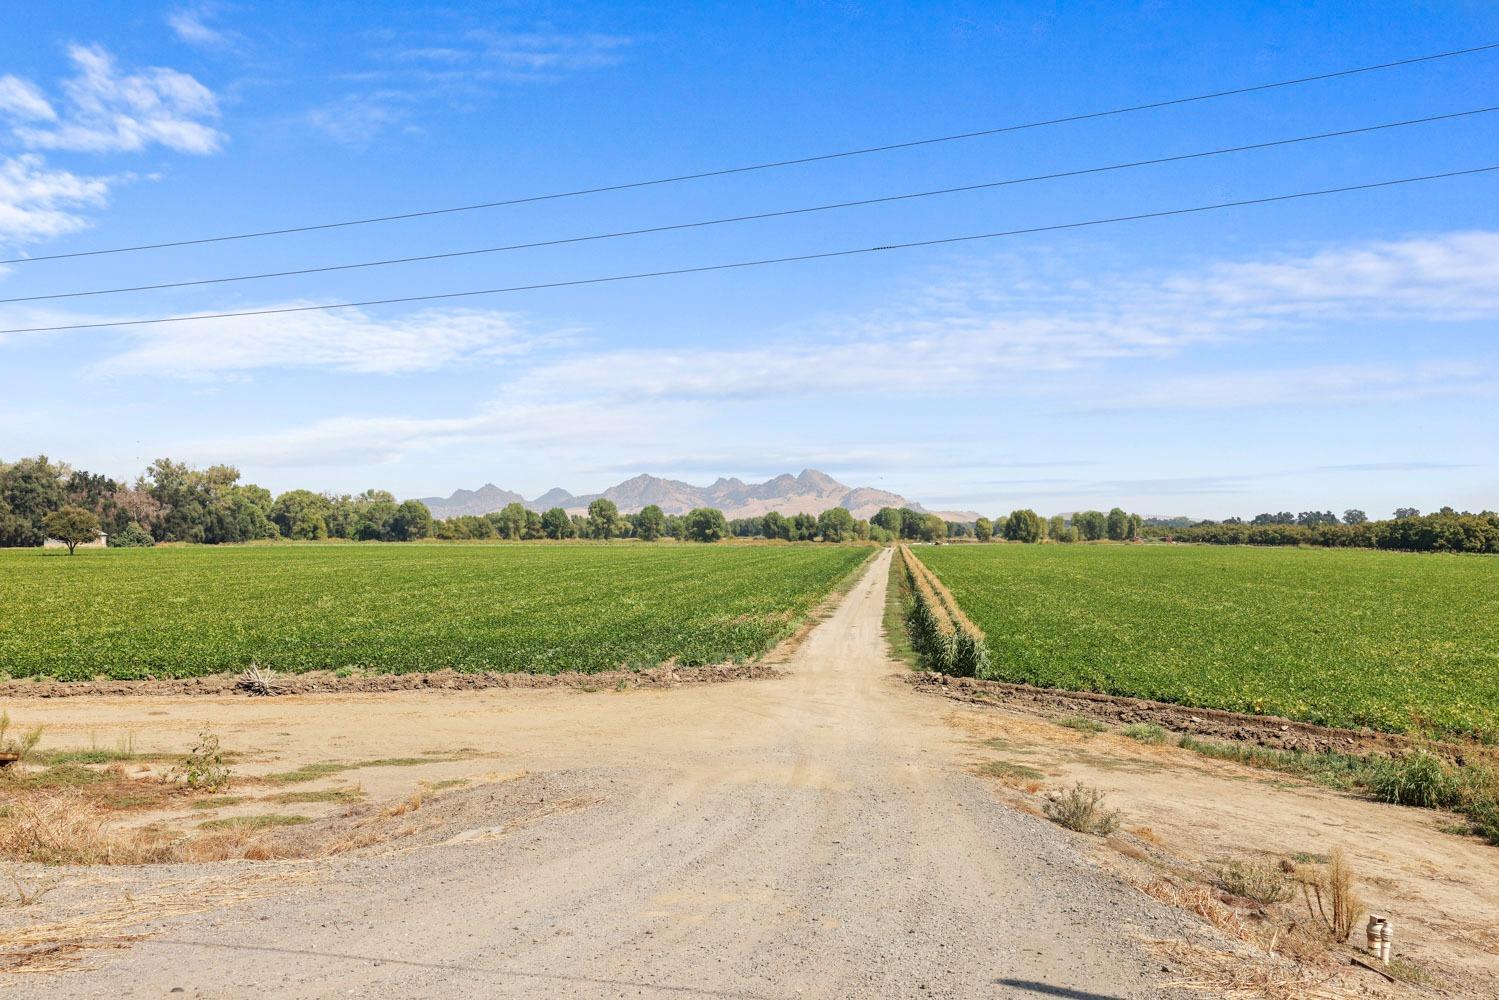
(811, 491)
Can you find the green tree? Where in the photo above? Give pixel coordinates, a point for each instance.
(1058, 530)
(1091, 525)
(302, 514)
(775, 525)
(705, 524)
(1118, 525)
(983, 529)
(651, 524)
(374, 510)
(511, 521)
(534, 530)
(412, 521)
(29, 490)
(1025, 525)
(556, 524)
(803, 527)
(603, 519)
(835, 524)
(72, 526)
(1354, 516)
(1137, 525)
(910, 523)
(932, 529)
(889, 518)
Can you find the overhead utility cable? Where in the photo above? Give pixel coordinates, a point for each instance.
(761, 262)
(774, 164)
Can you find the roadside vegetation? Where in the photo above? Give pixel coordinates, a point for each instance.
(177, 612)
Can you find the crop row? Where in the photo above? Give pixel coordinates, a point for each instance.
(1392, 641)
(538, 608)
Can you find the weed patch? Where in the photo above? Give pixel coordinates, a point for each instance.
(1081, 808)
(265, 821)
(1146, 732)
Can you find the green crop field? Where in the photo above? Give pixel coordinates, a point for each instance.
(1390, 640)
(174, 612)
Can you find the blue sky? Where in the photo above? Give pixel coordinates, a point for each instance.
(1317, 354)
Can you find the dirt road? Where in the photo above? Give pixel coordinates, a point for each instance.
(812, 836)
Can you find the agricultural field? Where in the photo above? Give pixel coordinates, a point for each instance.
(1394, 641)
(543, 608)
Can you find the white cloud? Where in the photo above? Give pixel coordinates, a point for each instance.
(38, 203)
(537, 54)
(23, 99)
(107, 110)
(191, 25)
(357, 119)
(1328, 385)
(359, 440)
(345, 341)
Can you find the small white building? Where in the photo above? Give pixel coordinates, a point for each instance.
(56, 543)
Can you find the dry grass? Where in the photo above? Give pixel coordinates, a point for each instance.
(1251, 880)
(1330, 896)
(57, 945)
(1226, 974)
(29, 891)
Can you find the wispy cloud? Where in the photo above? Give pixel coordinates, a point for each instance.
(470, 64)
(24, 100)
(37, 202)
(358, 119)
(1327, 385)
(191, 25)
(108, 110)
(346, 341)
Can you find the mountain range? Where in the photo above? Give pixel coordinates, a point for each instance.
(810, 492)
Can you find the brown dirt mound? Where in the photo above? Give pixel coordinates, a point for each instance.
(325, 682)
(1263, 730)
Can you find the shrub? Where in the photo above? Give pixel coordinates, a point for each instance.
(1081, 808)
(1146, 732)
(204, 768)
(1261, 883)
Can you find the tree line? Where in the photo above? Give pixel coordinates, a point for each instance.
(174, 502)
(1446, 530)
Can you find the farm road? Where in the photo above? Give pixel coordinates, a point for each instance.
(810, 836)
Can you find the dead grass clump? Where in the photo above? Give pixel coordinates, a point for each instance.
(409, 806)
(1081, 808)
(21, 745)
(1224, 973)
(62, 827)
(1330, 897)
(1261, 883)
(27, 892)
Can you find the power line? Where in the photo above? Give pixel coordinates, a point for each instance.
(701, 269)
(775, 164)
(781, 213)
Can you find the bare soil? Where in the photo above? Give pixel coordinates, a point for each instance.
(1262, 730)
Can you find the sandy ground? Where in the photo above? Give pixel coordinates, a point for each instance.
(820, 834)
(1440, 889)
(814, 835)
